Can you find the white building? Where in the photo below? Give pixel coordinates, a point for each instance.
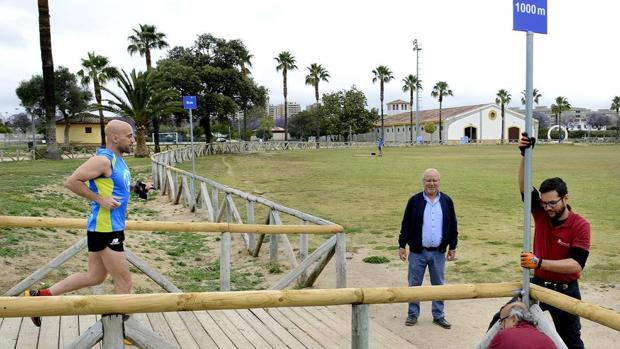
(479, 123)
(277, 111)
(396, 107)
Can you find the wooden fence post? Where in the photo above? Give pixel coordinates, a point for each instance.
(359, 326)
(341, 266)
(225, 253)
(303, 252)
(273, 242)
(112, 331)
(251, 237)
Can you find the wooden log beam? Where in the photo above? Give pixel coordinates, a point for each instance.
(359, 326)
(77, 223)
(169, 302)
(89, 338)
(575, 306)
(142, 337)
(318, 269)
(150, 272)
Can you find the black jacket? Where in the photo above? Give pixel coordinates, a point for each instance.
(411, 227)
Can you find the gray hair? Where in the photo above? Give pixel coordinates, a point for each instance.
(430, 170)
(523, 315)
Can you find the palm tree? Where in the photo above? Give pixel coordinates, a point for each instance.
(144, 96)
(440, 90)
(535, 96)
(98, 69)
(286, 62)
(144, 40)
(561, 105)
(383, 74)
(245, 62)
(45, 42)
(503, 98)
(411, 84)
(316, 74)
(615, 105)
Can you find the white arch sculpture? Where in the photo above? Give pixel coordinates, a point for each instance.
(562, 128)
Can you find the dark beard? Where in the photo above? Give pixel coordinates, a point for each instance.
(555, 221)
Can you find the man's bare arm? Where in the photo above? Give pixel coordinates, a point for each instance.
(94, 167)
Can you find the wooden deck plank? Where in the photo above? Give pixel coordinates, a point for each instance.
(262, 329)
(85, 322)
(298, 333)
(49, 332)
(230, 330)
(198, 332)
(180, 331)
(246, 330)
(68, 330)
(28, 335)
(311, 329)
(160, 326)
(325, 325)
(277, 329)
(9, 332)
(214, 330)
(143, 319)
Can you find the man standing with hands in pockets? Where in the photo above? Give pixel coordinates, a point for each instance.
(429, 227)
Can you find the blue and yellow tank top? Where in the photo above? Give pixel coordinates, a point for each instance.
(119, 185)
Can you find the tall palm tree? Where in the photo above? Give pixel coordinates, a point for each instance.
(245, 65)
(286, 62)
(98, 69)
(503, 98)
(383, 74)
(316, 74)
(411, 84)
(440, 90)
(615, 105)
(144, 96)
(561, 105)
(45, 42)
(535, 96)
(144, 40)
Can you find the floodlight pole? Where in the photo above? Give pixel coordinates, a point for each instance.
(417, 49)
(527, 187)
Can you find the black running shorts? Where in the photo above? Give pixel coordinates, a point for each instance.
(99, 241)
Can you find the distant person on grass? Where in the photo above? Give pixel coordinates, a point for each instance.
(105, 181)
(561, 247)
(429, 226)
(518, 330)
(380, 145)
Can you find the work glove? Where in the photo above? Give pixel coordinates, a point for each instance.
(530, 261)
(529, 141)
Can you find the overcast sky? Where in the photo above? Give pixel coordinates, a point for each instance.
(469, 44)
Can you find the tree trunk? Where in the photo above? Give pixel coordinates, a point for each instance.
(318, 125)
(66, 142)
(285, 108)
(382, 111)
(147, 54)
(142, 150)
(503, 124)
(411, 116)
(101, 120)
(45, 42)
(440, 138)
(205, 121)
(245, 124)
(156, 133)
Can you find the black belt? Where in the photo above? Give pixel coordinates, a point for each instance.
(430, 248)
(556, 286)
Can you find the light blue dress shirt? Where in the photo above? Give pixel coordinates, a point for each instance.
(432, 226)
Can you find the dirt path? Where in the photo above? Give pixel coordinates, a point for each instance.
(469, 318)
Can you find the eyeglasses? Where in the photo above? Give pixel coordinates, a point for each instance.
(551, 203)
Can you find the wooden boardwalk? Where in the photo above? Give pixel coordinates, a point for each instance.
(308, 327)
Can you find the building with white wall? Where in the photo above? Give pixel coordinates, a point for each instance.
(396, 107)
(480, 123)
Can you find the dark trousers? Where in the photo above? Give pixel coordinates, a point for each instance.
(566, 324)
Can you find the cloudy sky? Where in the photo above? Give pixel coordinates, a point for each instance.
(469, 44)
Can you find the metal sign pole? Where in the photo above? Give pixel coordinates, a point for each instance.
(191, 138)
(527, 194)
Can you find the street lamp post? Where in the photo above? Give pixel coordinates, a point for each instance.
(417, 49)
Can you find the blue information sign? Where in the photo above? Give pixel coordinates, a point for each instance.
(529, 16)
(189, 102)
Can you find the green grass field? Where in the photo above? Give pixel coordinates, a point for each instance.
(368, 194)
(365, 194)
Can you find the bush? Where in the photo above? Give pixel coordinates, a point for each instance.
(376, 259)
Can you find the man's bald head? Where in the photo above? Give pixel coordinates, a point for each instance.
(116, 127)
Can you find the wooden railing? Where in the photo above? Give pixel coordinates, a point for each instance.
(217, 201)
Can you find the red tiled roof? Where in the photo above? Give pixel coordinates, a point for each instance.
(427, 115)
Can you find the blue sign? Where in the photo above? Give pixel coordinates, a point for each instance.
(529, 16)
(189, 102)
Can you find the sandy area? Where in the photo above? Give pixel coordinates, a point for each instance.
(469, 318)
